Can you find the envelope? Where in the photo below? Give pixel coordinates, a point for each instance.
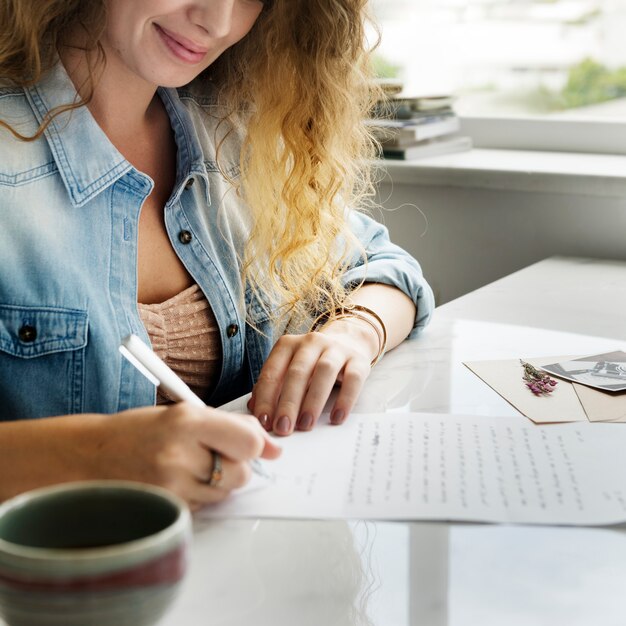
(569, 402)
(601, 406)
(505, 377)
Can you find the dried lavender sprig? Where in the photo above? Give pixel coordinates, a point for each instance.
(538, 382)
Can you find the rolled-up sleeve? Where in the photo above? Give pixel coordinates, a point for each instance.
(388, 264)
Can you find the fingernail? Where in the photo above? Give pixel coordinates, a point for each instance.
(264, 420)
(283, 425)
(305, 421)
(337, 417)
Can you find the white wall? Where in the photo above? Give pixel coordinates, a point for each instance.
(475, 236)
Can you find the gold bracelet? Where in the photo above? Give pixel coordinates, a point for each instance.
(357, 311)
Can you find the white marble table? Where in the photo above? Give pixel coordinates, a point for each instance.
(279, 573)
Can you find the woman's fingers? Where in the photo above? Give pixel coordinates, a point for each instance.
(234, 475)
(227, 443)
(237, 437)
(299, 376)
(271, 379)
(223, 474)
(327, 370)
(354, 376)
(231, 442)
(271, 450)
(284, 381)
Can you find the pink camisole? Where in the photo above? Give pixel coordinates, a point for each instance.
(184, 333)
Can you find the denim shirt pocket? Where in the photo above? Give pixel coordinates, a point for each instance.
(42, 361)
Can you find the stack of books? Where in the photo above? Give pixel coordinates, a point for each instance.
(413, 128)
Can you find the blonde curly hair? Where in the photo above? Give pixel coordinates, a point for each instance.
(300, 82)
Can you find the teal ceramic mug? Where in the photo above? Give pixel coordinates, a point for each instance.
(97, 553)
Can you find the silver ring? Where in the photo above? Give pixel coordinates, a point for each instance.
(217, 474)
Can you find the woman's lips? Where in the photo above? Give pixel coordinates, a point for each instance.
(180, 47)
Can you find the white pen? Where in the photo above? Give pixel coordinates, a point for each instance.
(160, 374)
(156, 371)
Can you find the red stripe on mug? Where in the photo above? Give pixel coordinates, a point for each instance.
(167, 569)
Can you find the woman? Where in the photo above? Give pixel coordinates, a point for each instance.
(180, 169)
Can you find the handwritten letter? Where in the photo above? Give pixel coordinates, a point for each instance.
(426, 466)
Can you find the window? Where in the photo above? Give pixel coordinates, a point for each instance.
(513, 59)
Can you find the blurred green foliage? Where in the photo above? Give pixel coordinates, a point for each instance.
(383, 68)
(590, 82)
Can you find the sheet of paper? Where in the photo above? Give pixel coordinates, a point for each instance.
(418, 466)
(505, 377)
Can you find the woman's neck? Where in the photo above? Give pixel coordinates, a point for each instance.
(122, 103)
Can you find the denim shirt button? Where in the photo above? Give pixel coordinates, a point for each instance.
(27, 333)
(232, 330)
(184, 236)
(189, 183)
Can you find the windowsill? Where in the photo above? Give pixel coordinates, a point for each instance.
(517, 170)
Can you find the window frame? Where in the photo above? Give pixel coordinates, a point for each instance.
(546, 134)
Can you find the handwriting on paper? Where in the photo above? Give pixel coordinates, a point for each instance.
(426, 466)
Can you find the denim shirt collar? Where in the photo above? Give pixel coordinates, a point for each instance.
(190, 160)
(86, 159)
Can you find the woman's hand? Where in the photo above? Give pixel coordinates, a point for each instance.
(301, 371)
(170, 446)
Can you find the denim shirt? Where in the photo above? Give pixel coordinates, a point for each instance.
(69, 212)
